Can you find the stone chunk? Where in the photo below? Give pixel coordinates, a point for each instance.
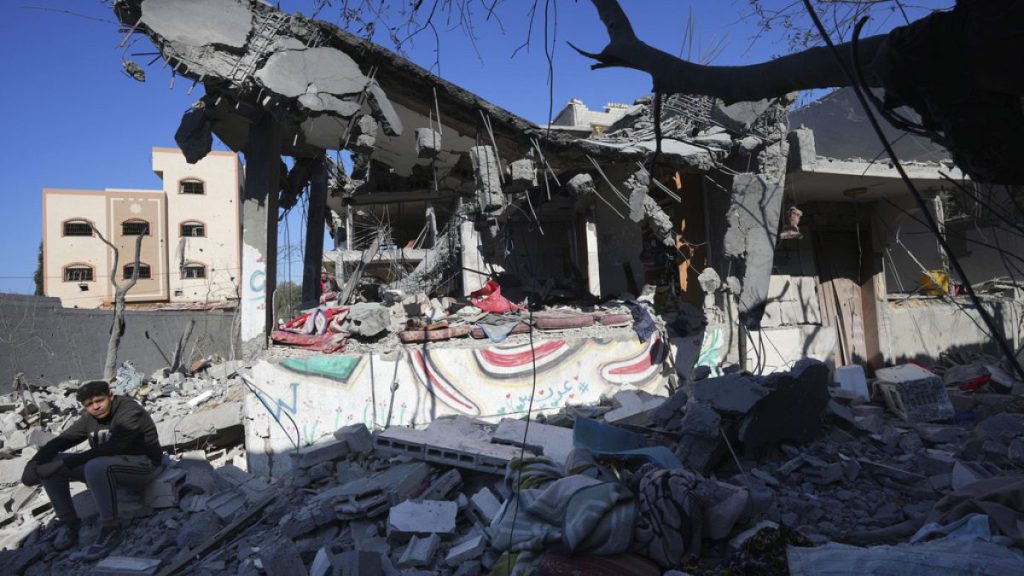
(420, 551)
(792, 411)
(126, 566)
(524, 172)
(357, 437)
(422, 518)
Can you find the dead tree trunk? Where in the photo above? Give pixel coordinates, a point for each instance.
(811, 68)
(117, 328)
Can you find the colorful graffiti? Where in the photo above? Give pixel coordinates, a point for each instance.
(334, 367)
(323, 393)
(712, 350)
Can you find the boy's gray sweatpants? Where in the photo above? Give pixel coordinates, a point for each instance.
(102, 475)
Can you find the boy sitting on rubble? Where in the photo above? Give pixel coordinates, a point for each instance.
(124, 450)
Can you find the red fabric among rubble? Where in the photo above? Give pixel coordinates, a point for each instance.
(326, 343)
(489, 299)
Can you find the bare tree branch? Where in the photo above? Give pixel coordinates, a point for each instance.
(117, 328)
(811, 68)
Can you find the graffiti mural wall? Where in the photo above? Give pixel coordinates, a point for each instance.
(301, 400)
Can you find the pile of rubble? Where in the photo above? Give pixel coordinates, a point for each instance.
(781, 474)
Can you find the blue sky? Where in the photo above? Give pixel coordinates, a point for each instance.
(72, 119)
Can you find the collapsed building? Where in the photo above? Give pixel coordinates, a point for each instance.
(488, 269)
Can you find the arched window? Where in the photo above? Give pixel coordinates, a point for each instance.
(77, 227)
(78, 273)
(193, 270)
(191, 186)
(193, 228)
(145, 272)
(135, 227)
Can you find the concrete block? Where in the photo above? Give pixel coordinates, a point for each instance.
(126, 566)
(485, 504)
(428, 143)
(460, 442)
(422, 518)
(466, 551)
(322, 452)
(420, 551)
(163, 491)
(554, 442)
(487, 169)
(253, 487)
(635, 407)
(701, 420)
(524, 172)
(914, 394)
(357, 437)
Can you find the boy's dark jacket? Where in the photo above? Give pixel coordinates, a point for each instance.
(128, 430)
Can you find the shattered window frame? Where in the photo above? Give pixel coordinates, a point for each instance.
(131, 228)
(82, 227)
(186, 229)
(192, 186)
(145, 271)
(193, 271)
(79, 273)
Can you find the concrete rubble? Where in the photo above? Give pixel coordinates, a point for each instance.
(785, 473)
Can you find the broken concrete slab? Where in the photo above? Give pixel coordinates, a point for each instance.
(367, 319)
(460, 442)
(206, 422)
(358, 563)
(321, 70)
(731, 394)
(554, 442)
(635, 407)
(321, 452)
(422, 518)
(469, 549)
(223, 22)
(442, 486)
(126, 566)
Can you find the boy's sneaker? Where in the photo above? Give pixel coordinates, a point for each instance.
(65, 534)
(105, 543)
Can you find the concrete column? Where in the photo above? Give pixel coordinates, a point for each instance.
(471, 259)
(259, 235)
(593, 258)
(314, 253)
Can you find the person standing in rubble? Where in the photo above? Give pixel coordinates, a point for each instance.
(124, 450)
(328, 286)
